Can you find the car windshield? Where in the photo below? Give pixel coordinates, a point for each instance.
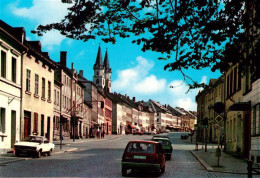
(163, 142)
(36, 139)
(137, 147)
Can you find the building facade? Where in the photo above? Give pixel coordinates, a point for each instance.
(12, 50)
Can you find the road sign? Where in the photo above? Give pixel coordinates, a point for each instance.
(219, 119)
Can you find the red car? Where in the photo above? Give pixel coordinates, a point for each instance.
(143, 155)
(138, 132)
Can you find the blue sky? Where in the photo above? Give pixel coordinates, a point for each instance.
(135, 73)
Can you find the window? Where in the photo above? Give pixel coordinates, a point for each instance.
(28, 80)
(227, 85)
(239, 80)
(43, 87)
(235, 79)
(55, 97)
(97, 81)
(49, 90)
(254, 121)
(13, 69)
(42, 125)
(258, 118)
(58, 98)
(3, 64)
(2, 120)
(36, 88)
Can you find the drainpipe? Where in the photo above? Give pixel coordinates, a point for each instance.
(21, 93)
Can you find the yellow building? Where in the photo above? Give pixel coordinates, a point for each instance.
(37, 92)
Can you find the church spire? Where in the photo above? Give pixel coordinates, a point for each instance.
(99, 63)
(106, 63)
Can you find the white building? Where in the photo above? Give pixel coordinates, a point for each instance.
(12, 49)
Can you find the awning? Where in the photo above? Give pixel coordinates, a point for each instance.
(131, 126)
(240, 106)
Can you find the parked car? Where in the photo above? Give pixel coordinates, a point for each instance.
(143, 155)
(161, 136)
(184, 136)
(166, 145)
(36, 146)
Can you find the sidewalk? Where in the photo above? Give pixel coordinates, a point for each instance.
(67, 146)
(227, 163)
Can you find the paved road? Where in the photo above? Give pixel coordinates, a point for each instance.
(102, 158)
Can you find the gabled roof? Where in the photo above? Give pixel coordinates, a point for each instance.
(13, 35)
(158, 107)
(174, 111)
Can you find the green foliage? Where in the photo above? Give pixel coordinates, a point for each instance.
(191, 33)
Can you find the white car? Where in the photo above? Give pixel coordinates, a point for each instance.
(36, 145)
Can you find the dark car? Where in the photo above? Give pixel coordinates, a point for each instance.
(184, 136)
(143, 156)
(166, 144)
(160, 136)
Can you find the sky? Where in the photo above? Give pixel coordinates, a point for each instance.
(134, 73)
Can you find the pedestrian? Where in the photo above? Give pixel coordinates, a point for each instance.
(222, 139)
(98, 134)
(103, 134)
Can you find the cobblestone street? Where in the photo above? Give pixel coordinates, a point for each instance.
(102, 158)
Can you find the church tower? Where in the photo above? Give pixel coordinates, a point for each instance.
(108, 72)
(99, 71)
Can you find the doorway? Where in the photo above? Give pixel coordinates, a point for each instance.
(13, 128)
(27, 124)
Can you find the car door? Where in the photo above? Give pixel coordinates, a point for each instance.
(161, 156)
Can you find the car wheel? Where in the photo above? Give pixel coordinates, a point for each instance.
(169, 157)
(17, 153)
(162, 169)
(50, 152)
(38, 154)
(124, 171)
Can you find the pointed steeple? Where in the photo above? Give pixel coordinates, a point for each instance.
(99, 63)
(106, 63)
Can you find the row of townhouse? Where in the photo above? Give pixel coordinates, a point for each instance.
(230, 107)
(42, 97)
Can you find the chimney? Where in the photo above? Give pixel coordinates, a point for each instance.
(46, 54)
(81, 73)
(63, 58)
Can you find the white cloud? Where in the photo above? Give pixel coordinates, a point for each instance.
(44, 12)
(136, 80)
(204, 79)
(180, 97)
(150, 85)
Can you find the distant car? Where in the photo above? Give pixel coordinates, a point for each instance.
(138, 132)
(36, 146)
(143, 155)
(184, 136)
(167, 131)
(166, 144)
(149, 132)
(161, 136)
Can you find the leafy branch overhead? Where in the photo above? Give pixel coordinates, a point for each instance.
(188, 33)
